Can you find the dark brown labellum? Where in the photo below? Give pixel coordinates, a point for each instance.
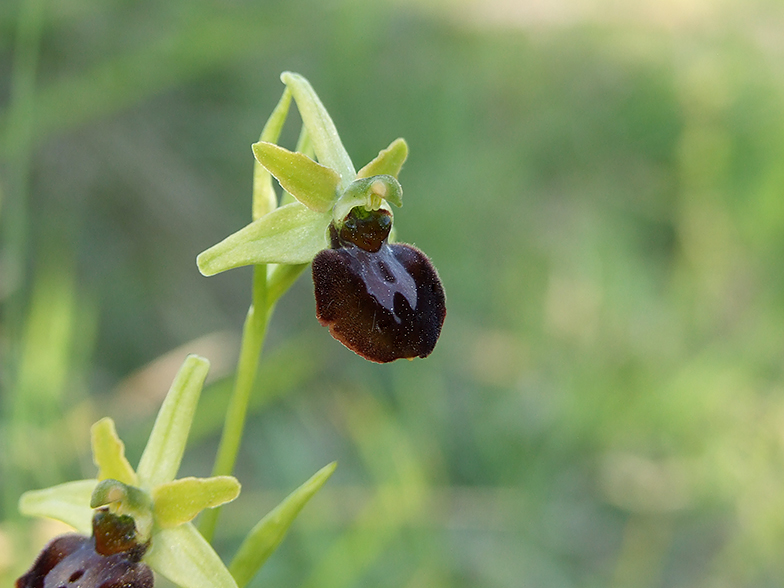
(383, 302)
(75, 561)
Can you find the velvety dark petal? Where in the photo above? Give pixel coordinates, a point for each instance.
(110, 559)
(71, 561)
(383, 305)
(51, 555)
(86, 568)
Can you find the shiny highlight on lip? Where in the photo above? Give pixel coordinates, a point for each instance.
(382, 301)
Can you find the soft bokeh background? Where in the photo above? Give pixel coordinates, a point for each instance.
(601, 185)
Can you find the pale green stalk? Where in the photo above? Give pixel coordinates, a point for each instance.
(254, 330)
(253, 334)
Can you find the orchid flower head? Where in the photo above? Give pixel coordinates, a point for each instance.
(383, 301)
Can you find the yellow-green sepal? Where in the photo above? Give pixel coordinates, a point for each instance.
(311, 183)
(69, 503)
(162, 455)
(109, 453)
(290, 234)
(180, 501)
(326, 141)
(389, 161)
(183, 556)
(264, 198)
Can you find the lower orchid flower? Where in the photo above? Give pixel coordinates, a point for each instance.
(110, 558)
(144, 517)
(141, 520)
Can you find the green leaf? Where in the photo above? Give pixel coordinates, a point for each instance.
(180, 501)
(389, 161)
(309, 182)
(109, 453)
(322, 131)
(265, 537)
(370, 193)
(183, 556)
(69, 503)
(264, 197)
(161, 458)
(290, 234)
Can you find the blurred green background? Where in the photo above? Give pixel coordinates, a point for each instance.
(601, 185)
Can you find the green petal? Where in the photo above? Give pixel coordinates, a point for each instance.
(323, 134)
(183, 556)
(388, 161)
(368, 192)
(180, 501)
(264, 198)
(109, 453)
(265, 537)
(69, 503)
(309, 182)
(304, 146)
(290, 234)
(161, 458)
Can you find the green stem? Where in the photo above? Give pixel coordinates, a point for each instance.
(253, 334)
(265, 295)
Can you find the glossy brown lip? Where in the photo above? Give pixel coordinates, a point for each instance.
(383, 305)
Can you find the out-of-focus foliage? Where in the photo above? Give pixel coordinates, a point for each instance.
(601, 187)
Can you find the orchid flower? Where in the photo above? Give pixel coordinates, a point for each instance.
(382, 301)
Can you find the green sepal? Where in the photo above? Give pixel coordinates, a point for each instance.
(290, 234)
(323, 134)
(311, 183)
(109, 453)
(264, 198)
(162, 455)
(265, 537)
(183, 556)
(389, 161)
(67, 502)
(370, 193)
(180, 501)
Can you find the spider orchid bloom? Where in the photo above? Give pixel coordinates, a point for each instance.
(383, 301)
(144, 517)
